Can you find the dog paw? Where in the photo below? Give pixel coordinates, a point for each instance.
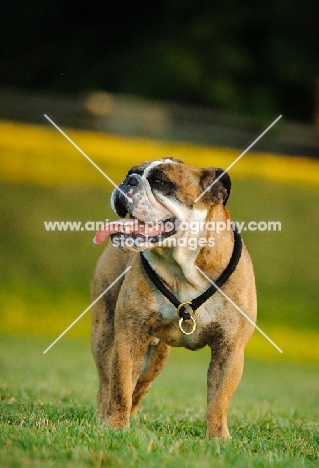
(218, 433)
(117, 422)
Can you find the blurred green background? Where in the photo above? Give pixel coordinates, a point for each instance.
(45, 276)
(229, 58)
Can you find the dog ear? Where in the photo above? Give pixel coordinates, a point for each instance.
(220, 190)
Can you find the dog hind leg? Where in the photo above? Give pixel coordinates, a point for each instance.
(154, 361)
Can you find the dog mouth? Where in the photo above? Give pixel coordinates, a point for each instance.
(135, 232)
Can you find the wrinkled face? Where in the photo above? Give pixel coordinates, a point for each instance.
(158, 196)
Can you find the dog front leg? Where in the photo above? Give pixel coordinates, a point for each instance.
(224, 373)
(127, 362)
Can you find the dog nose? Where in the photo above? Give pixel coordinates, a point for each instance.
(132, 180)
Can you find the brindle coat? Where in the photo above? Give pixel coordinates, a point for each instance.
(134, 326)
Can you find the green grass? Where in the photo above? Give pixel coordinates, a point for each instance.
(48, 413)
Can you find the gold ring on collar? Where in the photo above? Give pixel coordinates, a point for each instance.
(180, 306)
(181, 320)
(182, 329)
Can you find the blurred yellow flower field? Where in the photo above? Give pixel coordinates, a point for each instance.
(297, 345)
(41, 155)
(37, 164)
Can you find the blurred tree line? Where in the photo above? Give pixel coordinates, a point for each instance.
(249, 57)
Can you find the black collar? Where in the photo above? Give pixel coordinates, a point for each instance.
(198, 301)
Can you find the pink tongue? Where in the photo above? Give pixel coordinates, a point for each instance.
(131, 225)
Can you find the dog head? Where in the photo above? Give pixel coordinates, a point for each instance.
(158, 196)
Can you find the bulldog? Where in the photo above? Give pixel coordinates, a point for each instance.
(180, 289)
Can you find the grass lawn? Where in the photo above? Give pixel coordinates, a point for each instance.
(48, 413)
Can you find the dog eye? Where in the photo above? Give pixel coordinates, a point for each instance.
(158, 182)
